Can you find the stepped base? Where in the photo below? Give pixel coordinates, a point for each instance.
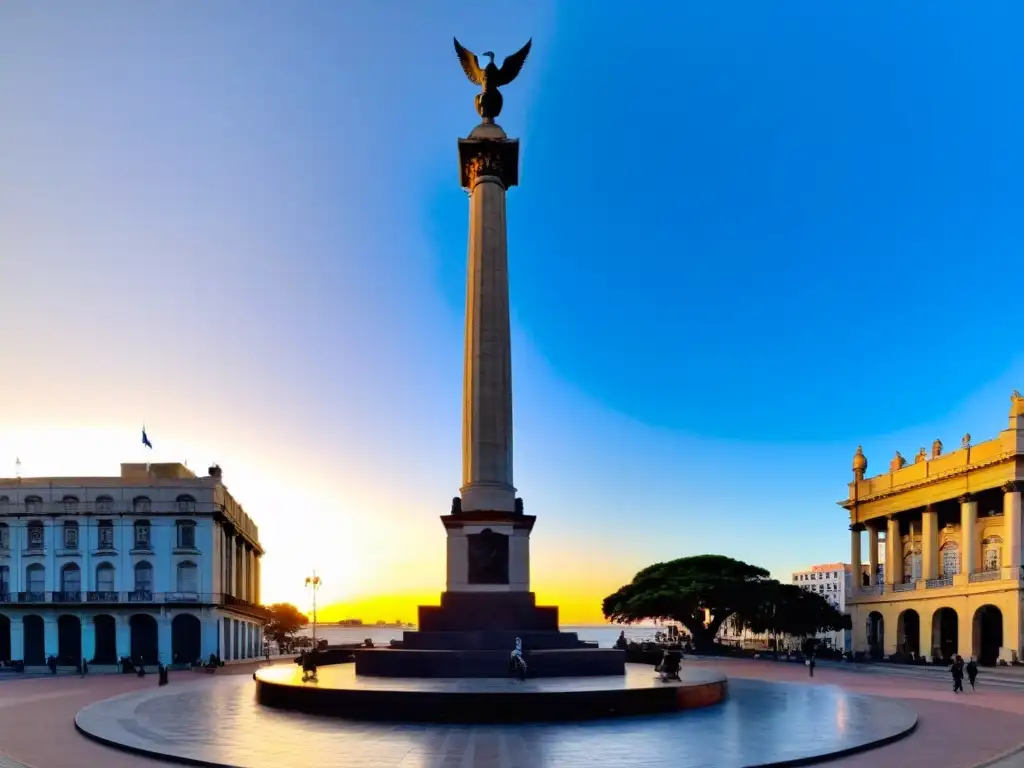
(489, 640)
(566, 662)
(475, 611)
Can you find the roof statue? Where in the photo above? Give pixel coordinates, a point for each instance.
(491, 78)
(860, 463)
(897, 462)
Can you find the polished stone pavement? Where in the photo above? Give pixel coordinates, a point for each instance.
(761, 723)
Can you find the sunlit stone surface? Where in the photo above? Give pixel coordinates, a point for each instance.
(218, 721)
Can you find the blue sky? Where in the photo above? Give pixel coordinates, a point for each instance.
(749, 236)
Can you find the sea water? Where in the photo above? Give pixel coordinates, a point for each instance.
(604, 635)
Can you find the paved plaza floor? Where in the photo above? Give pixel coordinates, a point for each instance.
(954, 731)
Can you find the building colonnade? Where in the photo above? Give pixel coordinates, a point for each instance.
(956, 552)
(167, 636)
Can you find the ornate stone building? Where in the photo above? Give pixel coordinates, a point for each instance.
(950, 525)
(154, 564)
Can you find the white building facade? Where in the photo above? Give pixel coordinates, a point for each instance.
(831, 581)
(156, 564)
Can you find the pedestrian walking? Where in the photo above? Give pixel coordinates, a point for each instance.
(972, 671)
(810, 664)
(957, 670)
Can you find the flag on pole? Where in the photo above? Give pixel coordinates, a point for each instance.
(145, 438)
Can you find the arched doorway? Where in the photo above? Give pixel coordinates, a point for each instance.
(987, 633)
(186, 639)
(144, 638)
(5, 638)
(35, 640)
(908, 632)
(69, 640)
(945, 633)
(876, 634)
(106, 640)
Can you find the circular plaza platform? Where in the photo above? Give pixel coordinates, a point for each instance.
(340, 692)
(218, 722)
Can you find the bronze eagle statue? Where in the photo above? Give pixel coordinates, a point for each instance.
(490, 78)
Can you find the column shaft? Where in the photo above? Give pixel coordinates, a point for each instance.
(1012, 518)
(929, 546)
(893, 550)
(968, 537)
(855, 561)
(487, 384)
(872, 555)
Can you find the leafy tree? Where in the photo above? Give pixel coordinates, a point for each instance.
(690, 590)
(285, 620)
(788, 609)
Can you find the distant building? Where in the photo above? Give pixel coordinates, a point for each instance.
(154, 564)
(832, 581)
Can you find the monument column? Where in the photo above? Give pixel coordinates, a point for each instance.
(490, 163)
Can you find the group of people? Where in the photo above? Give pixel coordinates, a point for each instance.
(958, 668)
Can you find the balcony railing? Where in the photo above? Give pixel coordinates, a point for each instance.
(988, 574)
(942, 581)
(102, 597)
(137, 596)
(905, 586)
(874, 589)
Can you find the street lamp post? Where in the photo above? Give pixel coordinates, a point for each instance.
(314, 583)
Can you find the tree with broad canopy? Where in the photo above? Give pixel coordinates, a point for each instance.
(689, 590)
(791, 610)
(703, 591)
(285, 620)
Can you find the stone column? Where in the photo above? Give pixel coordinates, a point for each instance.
(88, 638)
(1012, 521)
(257, 570)
(872, 555)
(50, 641)
(968, 538)
(490, 165)
(163, 639)
(17, 638)
(855, 560)
(123, 638)
(929, 545)
(892, 550)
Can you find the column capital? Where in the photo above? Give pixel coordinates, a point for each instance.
(498, 158)
(1013, 486)
(857, 527)
(966, 498)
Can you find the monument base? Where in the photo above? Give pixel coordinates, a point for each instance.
(472, 634)
(476, 611)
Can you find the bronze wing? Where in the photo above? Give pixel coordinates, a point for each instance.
(513, 64)
(470, 65)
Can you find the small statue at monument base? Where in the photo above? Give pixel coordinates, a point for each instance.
(516, 662)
